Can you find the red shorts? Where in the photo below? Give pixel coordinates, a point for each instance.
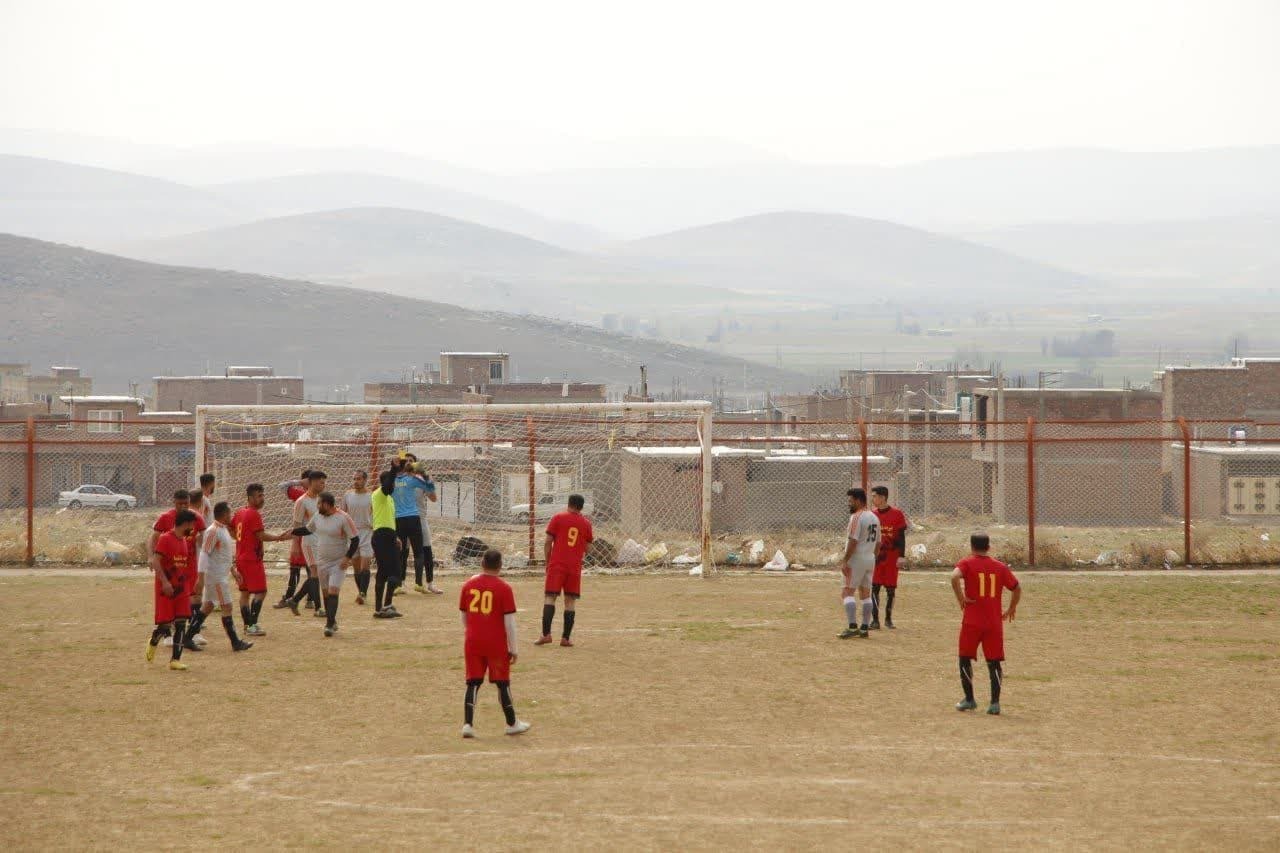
(498, 666)
(296, 557)
(168, 609)
(253, 578)
(564, 579)
(991, 638)
(886, 573)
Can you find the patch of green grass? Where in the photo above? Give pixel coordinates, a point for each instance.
(201, 781)
(39, 792)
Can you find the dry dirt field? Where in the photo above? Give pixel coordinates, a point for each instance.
(1140, 711)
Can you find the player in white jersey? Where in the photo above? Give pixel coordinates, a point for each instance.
(217, 565)
(334, 541)
(859, 564)
(207, 485)
(304, 509)
(358, 503)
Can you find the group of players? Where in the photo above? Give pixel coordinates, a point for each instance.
(875, 543)
(199, 547)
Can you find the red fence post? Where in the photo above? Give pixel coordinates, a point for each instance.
(862, 443)
(31, 490)
(533, 484)
(374, 437)
(1031, 491)
(1186, 491)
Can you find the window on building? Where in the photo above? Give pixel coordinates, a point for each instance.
(106, 420)
(495, 371)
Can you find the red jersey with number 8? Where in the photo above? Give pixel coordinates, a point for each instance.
(572, 534)
(985, 580)
(486, 600)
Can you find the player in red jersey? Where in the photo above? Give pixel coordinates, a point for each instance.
(979, 583)
(172, 562)
(893, 544)
(294, 489)
(489, 616)
(164, 524)
(568, 535)
(249, 532)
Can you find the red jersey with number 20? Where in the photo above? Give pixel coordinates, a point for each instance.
(572, 533)
(985, 580)
(486, 600)
(245, 525)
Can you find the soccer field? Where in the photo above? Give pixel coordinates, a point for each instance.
(1139, 710)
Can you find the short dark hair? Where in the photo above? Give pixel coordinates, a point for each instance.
(577, 502)
(360, 472)
(858, 495)
(492, 559)
(882, 491)
(182, 495)
(221, 508)
(980, 542)
(206, 479)
(184, 516)
(327, 498)
(387, 480)
(306, 474)
(254, 489)
(317, 475)
(195, 495)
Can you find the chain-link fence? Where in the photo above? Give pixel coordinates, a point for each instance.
(1053, 493)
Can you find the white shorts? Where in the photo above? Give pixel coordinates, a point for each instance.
(860, 576)
(217, 590)
(366, 544)
(331, 574)
(308, 552)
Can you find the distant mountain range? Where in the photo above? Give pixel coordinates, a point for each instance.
(124, 320)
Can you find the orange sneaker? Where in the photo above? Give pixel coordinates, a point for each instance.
(545, 639)
(566, 642)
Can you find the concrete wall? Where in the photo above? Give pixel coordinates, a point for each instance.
(468, 369)
(184, 393)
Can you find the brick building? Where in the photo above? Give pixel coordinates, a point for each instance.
(413, 393)
(475, 368)
(238, 386)
(19, 387)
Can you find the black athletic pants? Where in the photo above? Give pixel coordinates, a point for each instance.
(388, 560)
(409, 532)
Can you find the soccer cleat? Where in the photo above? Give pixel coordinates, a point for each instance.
(151, 652)
(863, 632)
(177, 666)
(420, 588)
(544, 640)
(293, 607)
(199, 640)
(848, 633)
(191, 647)
(994, 709)
(359, 599)
(566, 642)
(391, 612)
(328, 630)
(519, 728)
(255, 630)
(281, 604)
(468, 731)
(966, 705)
(875, 624)
(319, 614)
(241, 646)
(431, 588)
(888, 623)
(311, 605)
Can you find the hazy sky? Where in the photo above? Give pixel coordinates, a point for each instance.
(547, 83)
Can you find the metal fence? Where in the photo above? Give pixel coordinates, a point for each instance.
(1051, 493)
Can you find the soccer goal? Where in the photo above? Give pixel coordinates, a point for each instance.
(500, 470)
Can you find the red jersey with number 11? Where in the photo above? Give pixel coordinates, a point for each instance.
(486, 600)
(572, 533)
(985, 581)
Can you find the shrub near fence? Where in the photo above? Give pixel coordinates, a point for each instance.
(1052, 493)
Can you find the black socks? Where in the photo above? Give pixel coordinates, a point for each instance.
(888, 603)
(997, 676)
(469, 712)
(158, 634)
(331, 609)
(504, 696)
(548, 615)
(966, 678)
(229, 625)
(246, 613)
(255, 608)
(379, 588)
(875, 603)
(362, 582)
(179, 636)
(568, 622)
(295, 572)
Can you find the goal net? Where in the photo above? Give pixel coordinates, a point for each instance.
(501, 470)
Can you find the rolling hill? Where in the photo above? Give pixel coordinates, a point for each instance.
(295, 194)
(126, 319)
(840, 258)
(65, 202)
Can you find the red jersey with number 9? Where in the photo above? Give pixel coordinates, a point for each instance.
(572, 533)
(486, 600)
(985, 580)
(245, 525)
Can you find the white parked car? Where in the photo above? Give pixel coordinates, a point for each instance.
(95, 496)
(549, 505)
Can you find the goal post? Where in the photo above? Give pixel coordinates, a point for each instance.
(500, 470)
